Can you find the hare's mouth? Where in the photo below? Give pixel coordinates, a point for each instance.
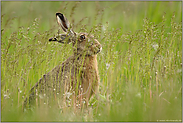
(99, 50)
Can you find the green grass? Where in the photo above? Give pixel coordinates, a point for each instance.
(140, 65)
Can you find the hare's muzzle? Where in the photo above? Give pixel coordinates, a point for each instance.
(98, 48)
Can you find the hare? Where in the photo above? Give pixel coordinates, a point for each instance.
(77, 76)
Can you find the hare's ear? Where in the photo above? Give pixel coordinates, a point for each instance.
(66, 27)
(62, 38)
(64, 23)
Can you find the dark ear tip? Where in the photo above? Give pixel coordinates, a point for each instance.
(52, 39)
(59, 14)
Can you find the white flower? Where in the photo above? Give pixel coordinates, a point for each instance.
(67, 94)
(107, 66)
(155, 46)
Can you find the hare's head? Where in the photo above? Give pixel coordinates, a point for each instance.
(83, 43)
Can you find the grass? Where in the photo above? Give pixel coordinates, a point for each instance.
(140, 65)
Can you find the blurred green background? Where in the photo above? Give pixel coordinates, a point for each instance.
(126, 15)
(140, 65)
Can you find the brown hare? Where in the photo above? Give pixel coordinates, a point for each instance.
(77, 76)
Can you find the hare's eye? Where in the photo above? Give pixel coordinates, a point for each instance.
(82, 37)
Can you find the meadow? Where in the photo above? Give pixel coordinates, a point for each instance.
(140, 65)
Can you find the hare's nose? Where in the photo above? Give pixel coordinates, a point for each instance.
(99, 48)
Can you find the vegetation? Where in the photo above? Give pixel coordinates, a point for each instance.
(140, 65)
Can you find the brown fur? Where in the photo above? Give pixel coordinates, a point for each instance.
(77, 75)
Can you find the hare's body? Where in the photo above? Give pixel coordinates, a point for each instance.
(78, 75)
